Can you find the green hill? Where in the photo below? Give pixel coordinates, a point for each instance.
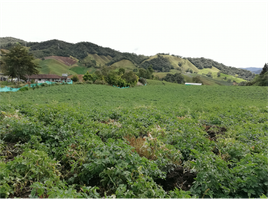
(89, 57)
(52, 66)
(4, 41)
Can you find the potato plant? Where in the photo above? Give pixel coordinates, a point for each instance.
(158, 141)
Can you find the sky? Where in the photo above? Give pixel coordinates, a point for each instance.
(232, 32)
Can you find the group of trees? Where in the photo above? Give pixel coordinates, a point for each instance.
(174, 78)
(160, 64)
(18, 63)
(201, 63)
(120, 78)
(146, 73)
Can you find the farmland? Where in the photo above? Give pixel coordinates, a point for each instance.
(154, 141)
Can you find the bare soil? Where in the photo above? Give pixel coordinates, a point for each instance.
(214, 131)
(178, 178)
(65, 60)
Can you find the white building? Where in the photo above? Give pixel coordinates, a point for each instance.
(193, 83)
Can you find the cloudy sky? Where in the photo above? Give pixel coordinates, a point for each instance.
(232, 32)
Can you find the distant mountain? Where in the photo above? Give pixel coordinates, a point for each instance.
(89, 55)
(255, 70)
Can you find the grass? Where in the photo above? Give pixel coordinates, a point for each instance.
(79, 69)
(126, 64)
(100, 60)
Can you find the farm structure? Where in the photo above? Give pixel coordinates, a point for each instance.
(42, 78)
(193, 83)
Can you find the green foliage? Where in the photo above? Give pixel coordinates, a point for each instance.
(130, 77)
(24, 89)
(174, 78)
(61, 190)
(160, 64)
(18, 63)
(261, 79)
(121, 71)
(75, 78)
(106, 142)
(201, 63)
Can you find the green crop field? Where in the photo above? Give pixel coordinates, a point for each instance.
(155, 141)
(79, 69)
(52, 66)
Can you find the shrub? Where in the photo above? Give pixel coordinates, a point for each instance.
(101, 82)
(24, 89)
(75, 78)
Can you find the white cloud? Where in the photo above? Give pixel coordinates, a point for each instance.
(230, 32)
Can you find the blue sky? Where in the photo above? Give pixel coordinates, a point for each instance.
(231, 32)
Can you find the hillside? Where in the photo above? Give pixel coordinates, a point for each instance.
(53, 66)
(85, 56)
(10, 40)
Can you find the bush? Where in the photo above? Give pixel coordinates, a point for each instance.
(75, 78)
(24, 89)
(101, 82)
(130, 77)
(89, 82)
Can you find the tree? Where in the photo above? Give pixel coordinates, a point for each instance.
(209, 74)
(174, 78)
(264, 69)
(18, 62)
(121, 71)
(74, 78)
(86, 77)
(130, 77)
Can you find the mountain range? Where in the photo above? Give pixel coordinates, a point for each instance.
(57, 57)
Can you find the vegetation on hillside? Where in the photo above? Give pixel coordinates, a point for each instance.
(160, 64)
(201, 63)
(93, 56)
(259, 80)
(10, 40)
(119, 78)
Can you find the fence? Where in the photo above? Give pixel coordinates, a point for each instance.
(10, 89)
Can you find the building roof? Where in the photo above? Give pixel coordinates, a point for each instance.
(44, 76)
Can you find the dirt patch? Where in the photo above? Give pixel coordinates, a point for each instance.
(65, 60)
(177, 178)
(139, 83)
(214, 131)
(24, 194)
(113, 122)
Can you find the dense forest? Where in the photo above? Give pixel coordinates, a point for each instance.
(201, 63)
